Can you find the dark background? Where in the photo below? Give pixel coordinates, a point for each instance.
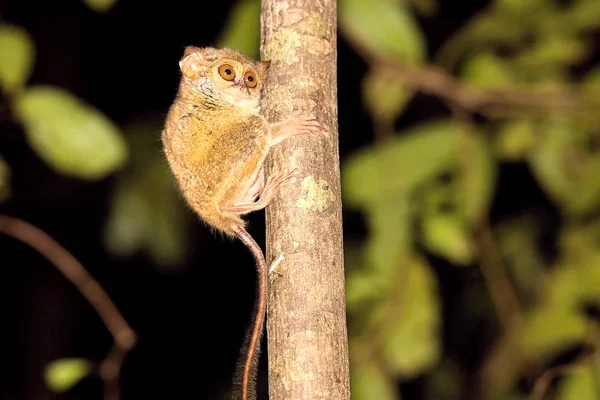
(190, 321)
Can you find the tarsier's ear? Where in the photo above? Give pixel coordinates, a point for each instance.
(192, 61)
(263, 69)
(191, 49)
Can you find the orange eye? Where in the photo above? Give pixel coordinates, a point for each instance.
(227, 72)
(250, 79)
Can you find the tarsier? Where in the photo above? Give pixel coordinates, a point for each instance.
(216, 142)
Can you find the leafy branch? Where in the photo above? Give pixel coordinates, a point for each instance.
(517, 101)
(513, 64)
(123, 335)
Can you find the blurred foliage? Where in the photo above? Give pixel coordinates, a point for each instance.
(64, 373)
(387, 29)
(71, 136)
(242, 28)
(147, 212)
(4, 180)
(427, 191)
(580, 385)
(16, 58)
(385, 95)
(100, 5)
(76, 139)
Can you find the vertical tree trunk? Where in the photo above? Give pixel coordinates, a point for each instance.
(306, 328)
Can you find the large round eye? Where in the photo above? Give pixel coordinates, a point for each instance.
(227, 72)
(250, 79)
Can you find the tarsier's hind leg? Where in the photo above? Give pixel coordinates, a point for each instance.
(271, 187)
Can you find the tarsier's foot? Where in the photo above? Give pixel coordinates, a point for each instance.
(272, 186)
(277, 181)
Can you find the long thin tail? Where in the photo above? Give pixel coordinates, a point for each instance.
(248, 363)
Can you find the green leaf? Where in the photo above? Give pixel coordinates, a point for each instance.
(426, 8)
(411, 335)
(548, 330)
(369, 382)
(379, 174)
(167, 245)
(518, 240)
(100, 5)
(559, 50)
(487, 70)
(592, 78)
(384, 96)
(559, 322)
(383, 28)
(17, 53)
(488, 29)
(566, 169)
(390, 235)
(575, 282)
(578, 385)
(586, 192)
(147, 215)
(515, 139)
(71, 136)
(547, 159)
(447, 236)
(242, 29)
(147, 212)
(4, 180)
(584, 15)
(579, 240)
(62, 374)
(363, 286)
(445, 382)
(477, 176)
(518, 6)
(127, 226)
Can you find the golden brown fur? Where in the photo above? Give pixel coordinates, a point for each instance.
(216, 143)
(213, 145)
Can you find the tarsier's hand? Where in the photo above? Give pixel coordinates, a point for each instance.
(300, 123)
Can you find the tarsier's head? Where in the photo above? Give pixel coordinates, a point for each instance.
(224, 75)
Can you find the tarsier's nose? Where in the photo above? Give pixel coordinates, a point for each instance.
(240, 84)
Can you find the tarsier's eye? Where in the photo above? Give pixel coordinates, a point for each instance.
(250, 79)
(227, 72)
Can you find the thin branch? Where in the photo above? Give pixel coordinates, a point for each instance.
(543, 382)
(494, 273)
(502, 294)
(515, 101)
(123, 336)
(494, 102)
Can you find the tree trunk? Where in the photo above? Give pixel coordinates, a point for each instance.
(306, 328)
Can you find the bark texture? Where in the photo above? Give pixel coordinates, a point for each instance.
(306, 328)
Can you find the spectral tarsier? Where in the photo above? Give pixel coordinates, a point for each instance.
(216, 143)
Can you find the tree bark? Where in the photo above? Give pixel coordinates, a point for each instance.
(306, 327)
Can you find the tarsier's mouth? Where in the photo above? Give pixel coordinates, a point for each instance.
(242, 86)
